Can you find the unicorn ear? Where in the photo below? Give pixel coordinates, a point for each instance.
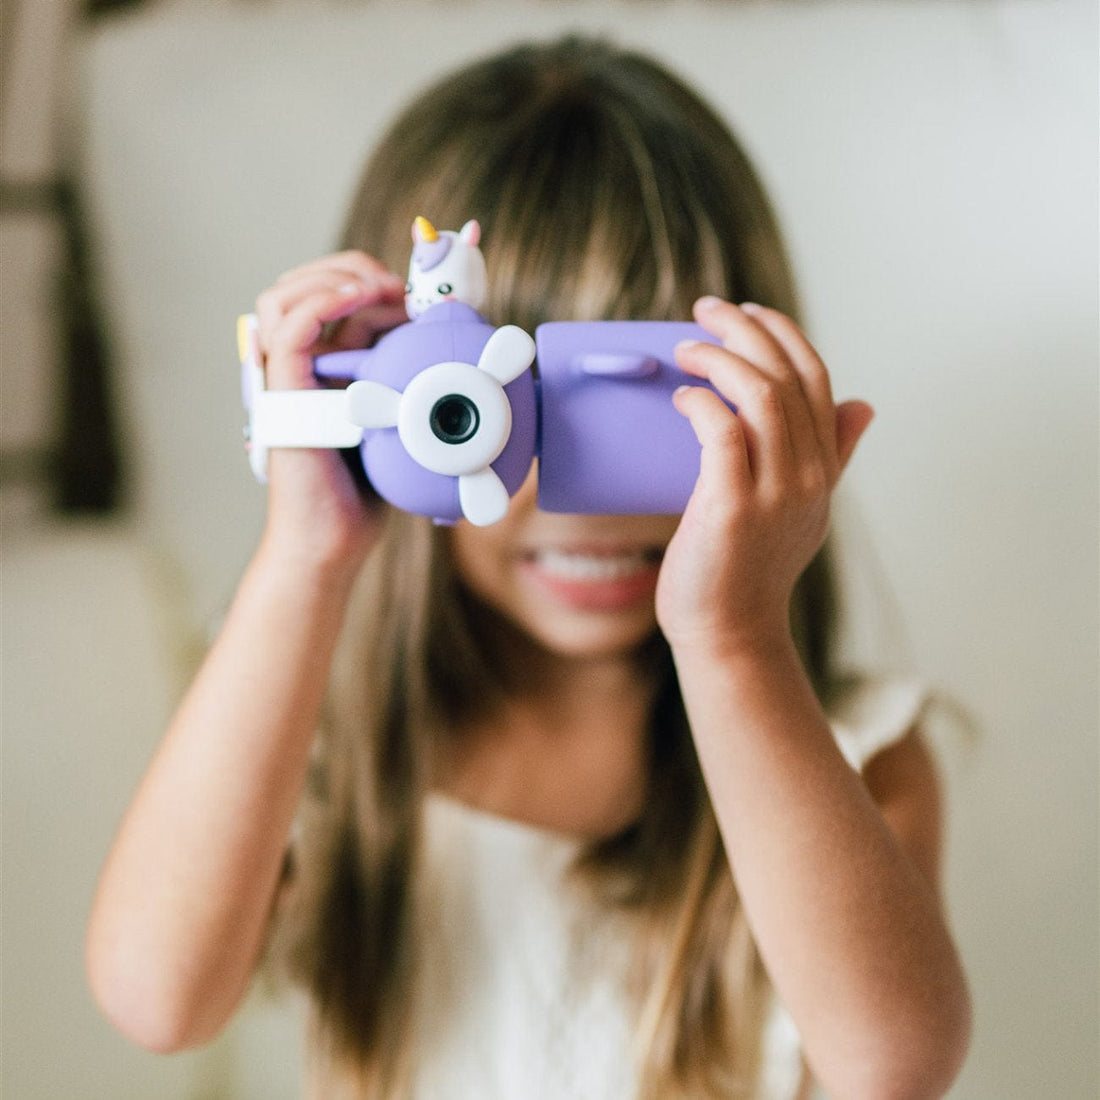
(423, 230)
(470, 233)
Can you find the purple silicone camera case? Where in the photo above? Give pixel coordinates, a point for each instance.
(602, 423)
(448, 332)
(611, 440)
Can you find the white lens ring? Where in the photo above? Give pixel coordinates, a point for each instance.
(467, 383)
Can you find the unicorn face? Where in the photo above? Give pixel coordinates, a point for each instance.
(444, 267)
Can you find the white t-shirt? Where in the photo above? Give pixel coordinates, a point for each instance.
(524, 990)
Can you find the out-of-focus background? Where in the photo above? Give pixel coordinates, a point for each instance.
(935, 167)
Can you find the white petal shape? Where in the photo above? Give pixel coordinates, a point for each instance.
(509, 352)
(483, 497)
(372, 405)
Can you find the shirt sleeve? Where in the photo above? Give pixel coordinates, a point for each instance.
(874, 714)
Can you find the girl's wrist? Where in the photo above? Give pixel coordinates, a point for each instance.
(746, 633)
(309, 565)
(749, 649)
(765, 676)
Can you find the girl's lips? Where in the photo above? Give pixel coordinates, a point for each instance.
(595, 578)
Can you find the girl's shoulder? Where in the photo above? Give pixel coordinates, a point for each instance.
(872, 712)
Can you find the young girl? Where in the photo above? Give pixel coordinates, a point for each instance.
(592, 813)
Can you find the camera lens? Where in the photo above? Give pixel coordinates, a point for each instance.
(454, 418)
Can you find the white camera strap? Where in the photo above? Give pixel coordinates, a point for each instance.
(287, 418)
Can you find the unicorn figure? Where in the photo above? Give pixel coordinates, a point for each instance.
(445, 267)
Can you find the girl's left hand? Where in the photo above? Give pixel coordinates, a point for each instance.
(760, 508)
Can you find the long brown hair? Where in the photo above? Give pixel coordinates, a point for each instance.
(605, 189)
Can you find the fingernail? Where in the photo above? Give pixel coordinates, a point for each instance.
(686, 345)
(751, 307)
(351, 288)
(707, 302)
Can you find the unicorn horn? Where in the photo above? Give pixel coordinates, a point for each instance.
(425, 230)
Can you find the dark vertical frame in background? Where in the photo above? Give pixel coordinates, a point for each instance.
(80, 469)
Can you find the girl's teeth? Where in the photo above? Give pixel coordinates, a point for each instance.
(589, 567)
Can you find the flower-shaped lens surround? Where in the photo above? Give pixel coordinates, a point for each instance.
(455, 418)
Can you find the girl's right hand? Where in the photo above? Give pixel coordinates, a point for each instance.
(317, 517)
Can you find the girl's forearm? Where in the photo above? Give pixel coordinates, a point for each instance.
(184, 898)
(849, 928)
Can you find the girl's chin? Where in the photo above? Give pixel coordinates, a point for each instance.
(574, 642)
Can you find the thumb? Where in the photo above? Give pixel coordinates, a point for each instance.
(852, 420)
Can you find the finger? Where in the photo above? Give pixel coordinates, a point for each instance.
(291, 340)
(852, 419)
(352, 261)
(381, 298)
(741, 334)
(388, 286)
(291, 286)
(724, 462)
(812, 371)
(278, 300)
(359, 329)
(289, 290)
(368, 305)
(760, 408)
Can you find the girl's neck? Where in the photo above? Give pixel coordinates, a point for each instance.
(567, 751)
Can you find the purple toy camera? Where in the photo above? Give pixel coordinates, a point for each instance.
(449, 415)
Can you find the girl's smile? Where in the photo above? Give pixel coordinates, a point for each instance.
(595, 577)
